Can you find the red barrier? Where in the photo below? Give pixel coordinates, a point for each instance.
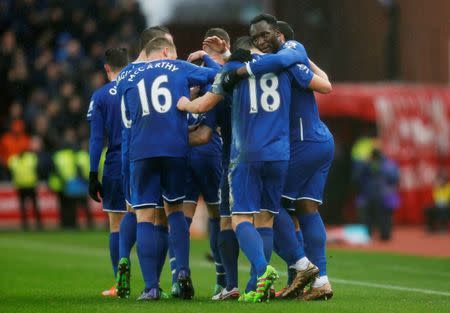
(48, 203)
(413, 123)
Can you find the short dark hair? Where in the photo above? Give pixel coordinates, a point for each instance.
(151, 33)
(270, 19)
(244, 42)
(219, 32)
(286, 30)
(116, 58)
(158, 43)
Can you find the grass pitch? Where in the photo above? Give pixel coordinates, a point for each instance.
(66, 271)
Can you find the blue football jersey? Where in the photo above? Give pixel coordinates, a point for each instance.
(158, 128)
(105, 121)
(305, 121)
(260, 115)
(122, 84)
(290, 53)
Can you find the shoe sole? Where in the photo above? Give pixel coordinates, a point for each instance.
(186, 288)
(322, 296)
(123, 281)
(231, 296)
(299, 282)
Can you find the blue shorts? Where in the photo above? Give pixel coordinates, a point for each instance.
(224, 208)
(113, 198)
(152, 178)
(126, 187)
(256, 186)
(308, 170)
(203, 177)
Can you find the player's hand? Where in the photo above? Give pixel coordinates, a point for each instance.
(241, 55)
(229, 79)
(197, 55)
(95, 188)
(181, 105)
(216, 44)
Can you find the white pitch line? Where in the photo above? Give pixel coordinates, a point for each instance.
(100, 252)
(246, 269)
(389, 287)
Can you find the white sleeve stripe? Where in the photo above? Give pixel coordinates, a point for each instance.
(249, 69)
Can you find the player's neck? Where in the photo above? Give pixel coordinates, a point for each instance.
(113, 75)
(218, 58)
(141, 57)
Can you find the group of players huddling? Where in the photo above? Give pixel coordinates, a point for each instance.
(243, 131)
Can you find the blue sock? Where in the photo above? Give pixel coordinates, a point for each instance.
(179, 239)
(229, 253)
(146, 251)
(300, 237)
(162, 238)
(214, 229)
(173, 263)
(127, 236)
(315, 237)
(266, 234)
(252, 245)
(251, 284)
(288, 246)
(114, 250)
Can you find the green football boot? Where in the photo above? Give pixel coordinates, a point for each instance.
(164, 295)
(175, 291)
(264, 282)
(123, 278)
(248, 297)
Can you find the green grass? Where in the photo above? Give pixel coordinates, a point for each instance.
(66, 271)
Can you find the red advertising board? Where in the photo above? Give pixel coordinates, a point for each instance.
(413, 123)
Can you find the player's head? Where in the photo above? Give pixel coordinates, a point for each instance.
(287, 33)
(219, 32)
(115, 60)
(265, 33)
(160, 48)
(153, 32)
(244, 43)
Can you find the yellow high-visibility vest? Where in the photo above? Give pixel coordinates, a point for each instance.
(23, 169)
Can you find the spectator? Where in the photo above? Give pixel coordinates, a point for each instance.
(24, 169)
(437, 214)
(378, 195)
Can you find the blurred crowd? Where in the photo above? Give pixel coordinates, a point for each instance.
(51, 60)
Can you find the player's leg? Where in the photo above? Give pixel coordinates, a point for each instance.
(145, 193)
(173, 191)
(228, 244)
(162, 239)
(245, 198)
(208, 173)
(114, 205)
(189, 205)
(311, 224)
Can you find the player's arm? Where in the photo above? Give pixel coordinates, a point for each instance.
(201, 104)
(96, 135)
(207, 101)
(207, 60)
(275, 63)
(318, 71)
(200, 136)
(306, 78)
